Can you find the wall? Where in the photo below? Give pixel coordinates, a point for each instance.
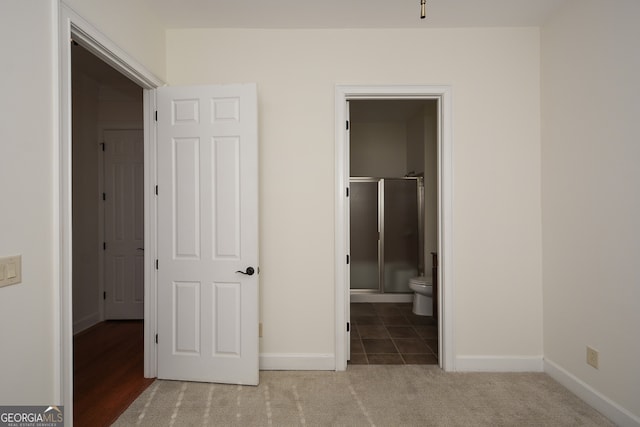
(86, 310)
(136, 31)
(430, 124)
(30, 336)
(590, 199)
(494, 74)
(28, 333)
(378, 149)
(415, 144)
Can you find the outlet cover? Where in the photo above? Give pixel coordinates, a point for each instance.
(10, 270)
(592, 357)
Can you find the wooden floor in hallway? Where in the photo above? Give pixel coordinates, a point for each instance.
(107, 371)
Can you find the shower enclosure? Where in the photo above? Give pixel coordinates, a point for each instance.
(386, 234)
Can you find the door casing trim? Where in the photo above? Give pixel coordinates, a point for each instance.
(72, 26)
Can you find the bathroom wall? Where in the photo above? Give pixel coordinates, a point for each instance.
(416, 143)
(378, 149)
(430, 120)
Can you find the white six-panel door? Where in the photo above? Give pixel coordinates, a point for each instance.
(123, 224)
(208, 234)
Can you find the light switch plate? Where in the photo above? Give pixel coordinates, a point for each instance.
(10, 270)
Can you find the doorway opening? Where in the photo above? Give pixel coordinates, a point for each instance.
(108, 239)
(73, 27)
(440, 98)
(392, 229)
(393, 196)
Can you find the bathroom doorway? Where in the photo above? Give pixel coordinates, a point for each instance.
(392, 153)
(440, 96)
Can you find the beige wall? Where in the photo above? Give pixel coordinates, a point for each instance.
(28, 328)
(415, 155)
(129, 24)
(590, 197)
(494, 74)
(29, 312)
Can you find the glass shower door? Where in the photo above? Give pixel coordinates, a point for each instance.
(401, 234)
(364, 223)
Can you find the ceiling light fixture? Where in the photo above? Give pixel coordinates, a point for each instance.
(423, 9)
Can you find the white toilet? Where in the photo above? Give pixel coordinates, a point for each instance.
(422, 299)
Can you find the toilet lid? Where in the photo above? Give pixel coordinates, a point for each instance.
(420, 280)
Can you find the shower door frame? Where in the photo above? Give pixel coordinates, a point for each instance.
(381, 231)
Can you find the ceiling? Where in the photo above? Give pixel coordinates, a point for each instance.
(351, 13)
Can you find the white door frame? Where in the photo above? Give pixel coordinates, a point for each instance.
(71, 25)
(446, 324)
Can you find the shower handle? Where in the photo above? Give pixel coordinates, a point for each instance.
(248, 272)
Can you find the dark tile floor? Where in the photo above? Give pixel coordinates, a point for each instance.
(389, 333)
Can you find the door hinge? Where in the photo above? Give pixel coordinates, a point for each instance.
(156, 115)
(102, 145)
(104, 295)
(347, 191)
(104, 246)
(347, 259)
(156, 264)
(104, 196)
(347, 124)
(156, 190)
(156, 338)
(348, 326)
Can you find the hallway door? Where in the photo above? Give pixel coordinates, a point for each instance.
(123, 224)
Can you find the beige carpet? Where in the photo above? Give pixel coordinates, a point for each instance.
(414, 395)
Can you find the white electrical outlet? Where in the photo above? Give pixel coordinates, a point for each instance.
(592, 357)
(10, 270)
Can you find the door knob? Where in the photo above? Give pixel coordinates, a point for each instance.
(248, 272)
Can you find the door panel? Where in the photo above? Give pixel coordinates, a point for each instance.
(208, 234)
(364, 235)
(124, 224)
(401, 237)
(186, 186)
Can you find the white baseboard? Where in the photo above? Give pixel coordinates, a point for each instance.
(499, 364)
(297, 362)
(602, 404)
(85, 323)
